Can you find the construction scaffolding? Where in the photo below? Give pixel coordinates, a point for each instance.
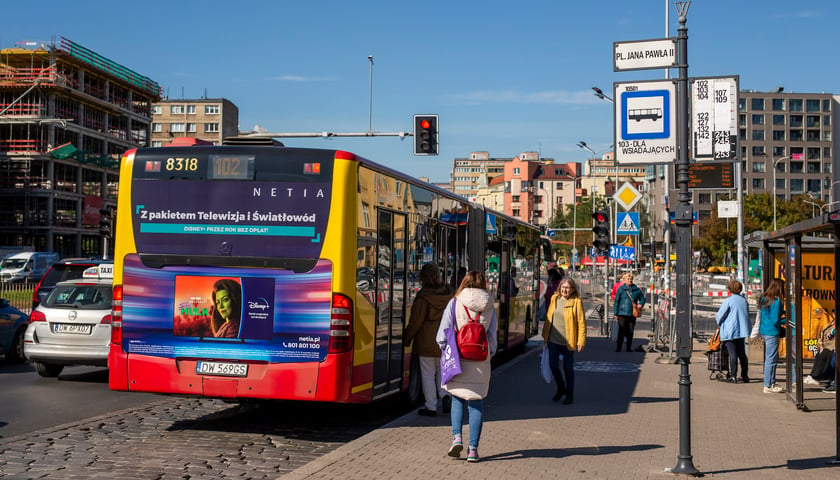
(66, 116)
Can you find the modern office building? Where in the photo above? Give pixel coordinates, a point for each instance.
(206, 119)
(67, 114)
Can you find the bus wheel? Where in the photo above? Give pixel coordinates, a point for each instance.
(48, 370)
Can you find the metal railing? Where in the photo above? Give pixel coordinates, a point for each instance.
(19, 295)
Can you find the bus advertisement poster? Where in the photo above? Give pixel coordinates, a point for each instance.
(232, 313)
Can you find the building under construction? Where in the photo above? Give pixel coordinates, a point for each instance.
(67, 114)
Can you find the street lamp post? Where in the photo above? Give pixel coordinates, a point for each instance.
(775, 162)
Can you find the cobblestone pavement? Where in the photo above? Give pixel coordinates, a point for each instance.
(180, 438)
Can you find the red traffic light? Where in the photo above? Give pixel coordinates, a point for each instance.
(600, 216)
(425, 124)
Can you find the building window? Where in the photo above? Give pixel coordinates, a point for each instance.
(827, 136)
(814, 185)
(778, 119)
(515, 212)
(826, 120)
(813, 135)
(190, 109)
(796, 135)
(758, 134)
(157, 128)
(797, 185)
(176, 109)
(757, 150)
(758, 167)
(813, 121)
(758, 119)
(757, 104)
(211, 109)
(704, 198)
(778, 135)
(779, 104)
(795, 121)
(796, 167)
(742, 104)
(826, 167)
(157, 143)
(176, 128)
(813, 153)
(812, 105)
(780, 185)
(742, 120)
(157, 110)
(826, 105)
(211, 128)
(191, 128)
(514, 198)
(778, 151)
(559, 186)
(516, 171)
(795, 104)
(814, 167)
(826, 152)
(758, 183)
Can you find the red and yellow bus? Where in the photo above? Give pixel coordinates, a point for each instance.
(260, 271)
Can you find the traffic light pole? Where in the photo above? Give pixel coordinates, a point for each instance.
(683, 220)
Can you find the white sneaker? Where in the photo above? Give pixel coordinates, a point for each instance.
(809, 380)
(774, 389)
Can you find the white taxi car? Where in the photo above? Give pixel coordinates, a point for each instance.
(72, 326)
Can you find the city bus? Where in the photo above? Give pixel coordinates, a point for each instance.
(255, 271)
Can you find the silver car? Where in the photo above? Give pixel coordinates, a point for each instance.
(71, 327)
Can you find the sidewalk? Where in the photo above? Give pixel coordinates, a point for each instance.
(624, 425)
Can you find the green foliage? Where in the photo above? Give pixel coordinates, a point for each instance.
(718, 236)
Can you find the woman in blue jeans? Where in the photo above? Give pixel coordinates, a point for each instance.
(772, 319)
(564, 333)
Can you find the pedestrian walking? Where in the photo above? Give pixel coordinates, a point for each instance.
(733, 317)
(469, 388)
(426, 312)
(564, 333)
(627, 306)
(771, 318)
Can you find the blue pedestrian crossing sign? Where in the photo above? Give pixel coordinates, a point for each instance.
(627, 223)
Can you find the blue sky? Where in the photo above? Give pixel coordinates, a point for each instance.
(505, 77)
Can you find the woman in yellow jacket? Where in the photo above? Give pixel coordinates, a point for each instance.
(565, 333)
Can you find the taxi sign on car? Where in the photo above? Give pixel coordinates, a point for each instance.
(103, 271)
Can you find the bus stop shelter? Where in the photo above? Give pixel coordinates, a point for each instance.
(803, 255)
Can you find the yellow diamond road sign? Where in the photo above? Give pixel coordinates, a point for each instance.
(627, 196)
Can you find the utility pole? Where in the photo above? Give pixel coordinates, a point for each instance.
(683, 220)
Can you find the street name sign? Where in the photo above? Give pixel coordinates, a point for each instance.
(645, 122)
(622, 253)
(714, 115)
(645, 54)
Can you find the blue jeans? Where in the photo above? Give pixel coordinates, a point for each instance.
(554, 352)
(475, 409)
(771, 359)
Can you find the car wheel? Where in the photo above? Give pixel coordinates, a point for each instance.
(15, 354)
(48, 370)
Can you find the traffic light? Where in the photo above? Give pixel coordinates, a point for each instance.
(425, 134)
(105, 225)
(601, 230)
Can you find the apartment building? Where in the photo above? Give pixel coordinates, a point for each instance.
(67, 114)
(206, 119)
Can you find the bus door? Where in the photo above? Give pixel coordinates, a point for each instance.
(390, 308)
(507, 290)
(446, 249)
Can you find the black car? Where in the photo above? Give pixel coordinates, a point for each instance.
(67, 269)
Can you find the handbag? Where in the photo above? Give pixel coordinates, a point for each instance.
(450, 359)
(614, 330)
(545, 369)
(714, 342)
(637, 309)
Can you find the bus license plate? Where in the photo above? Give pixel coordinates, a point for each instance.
(222, 368)
(78, 329)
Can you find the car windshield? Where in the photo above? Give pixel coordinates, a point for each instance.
(80, 296)
(13, 263)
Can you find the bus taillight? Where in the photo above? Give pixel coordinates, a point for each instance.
(341, 324)
(116, 315)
